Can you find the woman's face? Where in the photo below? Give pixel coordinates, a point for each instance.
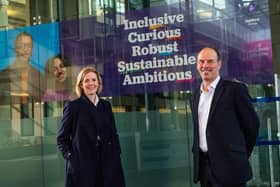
(59, 70)
(90, 84)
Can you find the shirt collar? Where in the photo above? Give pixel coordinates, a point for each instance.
(96, 100)
(213, 84)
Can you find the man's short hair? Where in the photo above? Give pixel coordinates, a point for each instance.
(214, 49)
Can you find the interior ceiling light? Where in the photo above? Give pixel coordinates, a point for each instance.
(21, 94)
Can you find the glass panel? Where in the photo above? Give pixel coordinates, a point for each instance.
(22, 88)
(155, 134)
(21, 144)
(266, 159)
(54, 165)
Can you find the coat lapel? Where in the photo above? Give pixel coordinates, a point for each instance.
(91, 109)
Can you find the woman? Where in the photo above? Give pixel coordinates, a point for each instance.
(88, 137)
(56, 80)
(57, 68)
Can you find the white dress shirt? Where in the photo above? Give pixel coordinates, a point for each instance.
(204, 106)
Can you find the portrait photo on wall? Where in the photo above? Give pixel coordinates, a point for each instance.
(26, 51)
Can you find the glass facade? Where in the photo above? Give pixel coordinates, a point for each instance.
(146, 52)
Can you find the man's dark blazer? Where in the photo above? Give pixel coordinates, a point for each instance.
(11, 82)
(77, 140)
(231, 133)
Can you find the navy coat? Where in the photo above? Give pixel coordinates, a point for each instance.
(88, 165)
(231, 133)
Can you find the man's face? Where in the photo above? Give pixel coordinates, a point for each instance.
(208, 65)
(24, 47)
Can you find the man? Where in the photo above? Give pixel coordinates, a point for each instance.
(23, 47)
(21, 77)
(225, 126)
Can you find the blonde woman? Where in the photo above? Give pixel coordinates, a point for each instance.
(88, 137)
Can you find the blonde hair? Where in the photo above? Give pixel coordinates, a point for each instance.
(81, 77)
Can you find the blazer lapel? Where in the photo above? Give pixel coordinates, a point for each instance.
(217, 95)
